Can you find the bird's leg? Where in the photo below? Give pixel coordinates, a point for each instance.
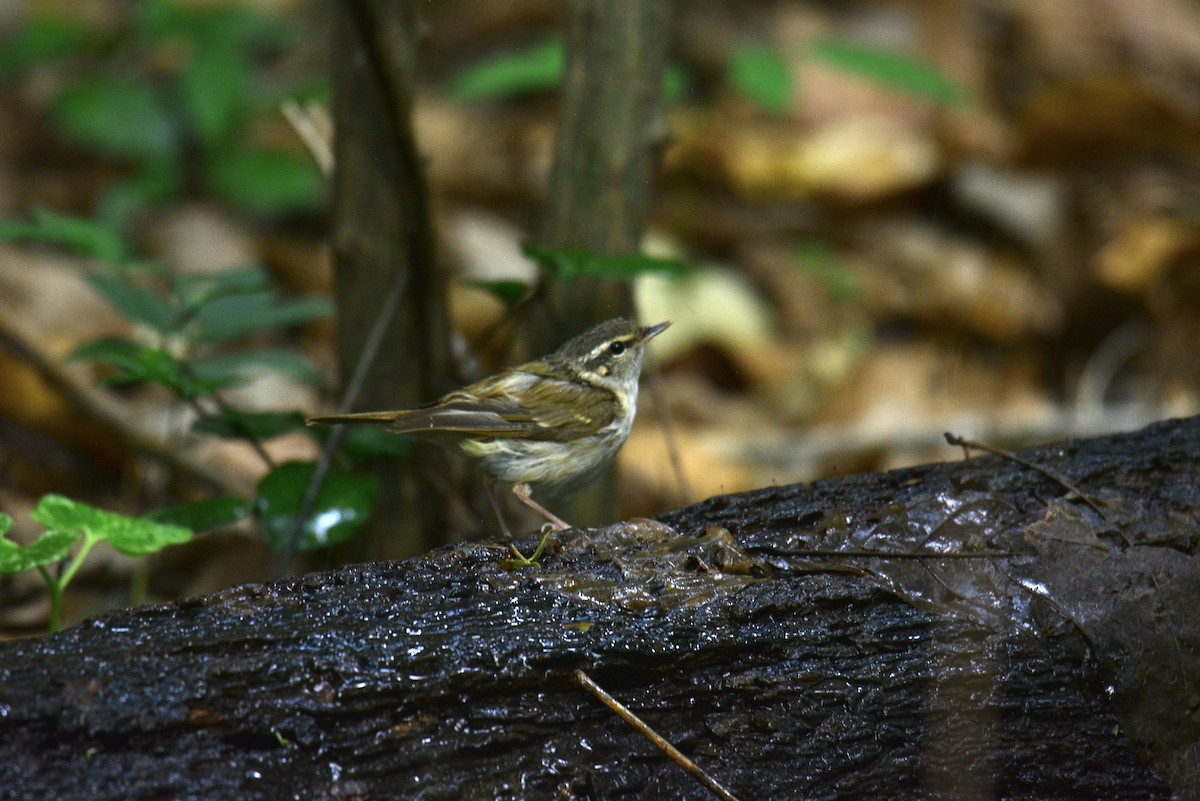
(523, 493)
(491, 493)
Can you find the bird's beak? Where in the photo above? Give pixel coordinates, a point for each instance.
(650, 332)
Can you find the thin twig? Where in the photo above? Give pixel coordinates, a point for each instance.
(667, 424)
(622, 711)
(966, 444)
(311, 124)
(366, 358)
(798, 456)
(890, 555)
(230, 416)
(105, 409)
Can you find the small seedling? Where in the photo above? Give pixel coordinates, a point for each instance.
(69, 523)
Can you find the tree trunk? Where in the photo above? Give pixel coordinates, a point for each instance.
(955, 631)
(383, 235)
(611, 131)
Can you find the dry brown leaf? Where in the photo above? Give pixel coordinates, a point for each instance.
(1142, 252)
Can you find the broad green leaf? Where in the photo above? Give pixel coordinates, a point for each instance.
(40, 40)
(234, 424)
(156, 181)
(676, 83)
(244, 366)
(761, 75)
(571, 263)
(838, 279)
(204, 515)
(893, 71)
(138, 364)
(367, 442)
(82, 236)
(213, 87)
(313, 89)
(212, 25)
(535, 69)
(117, 116)
(131, 536)
(236, 316)
(343, 504)
(6, 524)
(194, 291)
(49, 548)
(510, 293)
(149, 364)
(266, 181)
(137, 304)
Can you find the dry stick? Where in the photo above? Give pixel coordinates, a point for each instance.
(383, 61)
(311, 129)
(238, 426)
(667, 422)
(353, 388)
(1035, 592)
(106, 410)
(890, 554)
(967, 444)
(715, 787)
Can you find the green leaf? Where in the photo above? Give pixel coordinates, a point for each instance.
(510, 293)
(839, 281)
(156, 181)
(266, 181)
(893, 71)
(676, 83)
(235, 424)
(135, 303)
(535, 69)
(40, 40)
(212, 25)
(204, 515)
(343, 504)
(117, 116)
(194, 291)
(571, 263)
(761, 75)
(236, 316)
(243, 366)
(138, 364)
(6, 524)
(368, 442)
(213, 88)
(131, 536)
(49, 548)
(79, 235)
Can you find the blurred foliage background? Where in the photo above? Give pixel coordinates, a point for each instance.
(897, 219)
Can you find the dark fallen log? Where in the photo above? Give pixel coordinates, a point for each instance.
(1045, 650)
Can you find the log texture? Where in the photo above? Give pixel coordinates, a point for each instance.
(1045, 650)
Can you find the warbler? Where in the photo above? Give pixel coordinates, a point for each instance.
(554, 423)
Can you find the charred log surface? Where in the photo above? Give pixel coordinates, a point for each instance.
(1043, 651)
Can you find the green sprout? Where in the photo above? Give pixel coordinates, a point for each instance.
(69, 523)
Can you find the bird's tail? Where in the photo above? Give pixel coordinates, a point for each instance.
(385, 418)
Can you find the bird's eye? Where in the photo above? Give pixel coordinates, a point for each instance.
(616, 348)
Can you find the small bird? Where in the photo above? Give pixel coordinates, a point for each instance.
(554, 423)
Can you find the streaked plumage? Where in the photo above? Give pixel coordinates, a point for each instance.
(554, 423)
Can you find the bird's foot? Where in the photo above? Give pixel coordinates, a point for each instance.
(519, 559)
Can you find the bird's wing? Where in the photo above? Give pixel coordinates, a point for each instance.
(514, 404)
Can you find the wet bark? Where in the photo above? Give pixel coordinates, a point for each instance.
(612, 129)
(967, 630)
(386, 264)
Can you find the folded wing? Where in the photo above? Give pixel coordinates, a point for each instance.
(549, 409)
